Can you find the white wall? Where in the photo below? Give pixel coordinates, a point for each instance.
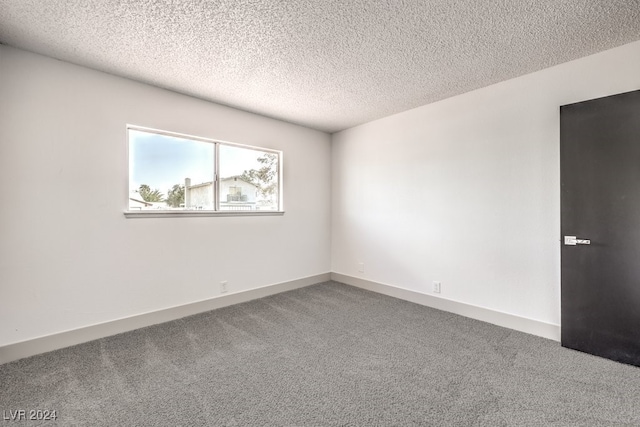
(68, 256)
(466, 191)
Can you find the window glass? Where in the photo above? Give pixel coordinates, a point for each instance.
(167, 172)
(248, 179)
(178, 173)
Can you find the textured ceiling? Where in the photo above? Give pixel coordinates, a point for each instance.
(326, 64)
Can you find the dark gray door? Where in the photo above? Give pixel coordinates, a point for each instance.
(600, 226)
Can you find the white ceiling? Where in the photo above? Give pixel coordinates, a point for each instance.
(325, 64)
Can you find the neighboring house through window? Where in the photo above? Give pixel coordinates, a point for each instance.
(179, 173)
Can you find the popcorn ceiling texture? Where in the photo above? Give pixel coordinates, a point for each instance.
(328, 64)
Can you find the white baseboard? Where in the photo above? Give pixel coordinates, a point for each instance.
(56, 341)
(511, 321)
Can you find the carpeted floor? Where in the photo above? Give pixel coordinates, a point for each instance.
(325, 355)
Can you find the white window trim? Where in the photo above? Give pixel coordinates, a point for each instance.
(200, 213)
(204, 213)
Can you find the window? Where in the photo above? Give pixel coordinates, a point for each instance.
(173, 173)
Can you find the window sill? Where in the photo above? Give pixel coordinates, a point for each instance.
(176, 214)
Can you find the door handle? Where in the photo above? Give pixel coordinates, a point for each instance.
(573, 240)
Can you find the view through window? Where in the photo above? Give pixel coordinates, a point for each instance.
(179, 173)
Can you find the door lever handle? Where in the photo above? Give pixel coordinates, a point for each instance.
(573, 240)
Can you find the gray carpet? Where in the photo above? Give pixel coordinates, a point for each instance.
(325, 355)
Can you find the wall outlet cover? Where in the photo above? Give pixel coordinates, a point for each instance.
(436, 287)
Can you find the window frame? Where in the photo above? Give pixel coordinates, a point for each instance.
(161, 213)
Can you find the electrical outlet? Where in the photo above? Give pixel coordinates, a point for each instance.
(223, 287)
(436, 287)
(361, 267)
